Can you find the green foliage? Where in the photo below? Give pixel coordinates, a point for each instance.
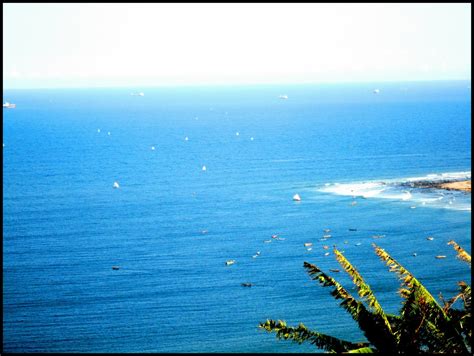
(301, 334)
(363, 288)
(372, 324)
(423, 325)
(462, 254)
(362, 350)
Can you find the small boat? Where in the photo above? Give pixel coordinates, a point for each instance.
(334, 270)
(429, 238)
(296, 197)
(204, 232)
(8, 105)
(326, 254)
(152, 148)
(115, 268)
(415, 254)
(440, 256)
(376, 91)
(327, 230)
(358, 244)
(267, 241)
(229, 262)
(283, 96)
(377, 236)
(309, 249)
(275, 236)
(204, 168)
(327, 236)
(326, 247)
(246, 284)
(116, 185)
(307, 244)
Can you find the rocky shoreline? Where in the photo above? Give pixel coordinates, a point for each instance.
(464, 185)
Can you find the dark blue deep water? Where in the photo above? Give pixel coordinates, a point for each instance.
(171, 226)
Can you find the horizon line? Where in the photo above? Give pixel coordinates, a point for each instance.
(168, 85)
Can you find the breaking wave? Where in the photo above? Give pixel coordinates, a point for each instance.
(403, 190)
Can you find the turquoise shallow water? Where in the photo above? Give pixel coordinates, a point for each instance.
(171, 226)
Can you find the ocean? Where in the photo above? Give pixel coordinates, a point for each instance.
(171, 226)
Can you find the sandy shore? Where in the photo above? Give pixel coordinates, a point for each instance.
(464, 185)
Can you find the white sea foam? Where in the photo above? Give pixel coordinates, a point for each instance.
(366, 189)
(397, 189)
(440, 177)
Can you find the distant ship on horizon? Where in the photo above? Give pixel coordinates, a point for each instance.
(138, 94)
(8, 105)
(284, 96)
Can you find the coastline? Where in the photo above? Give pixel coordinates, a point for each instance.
(464, 185)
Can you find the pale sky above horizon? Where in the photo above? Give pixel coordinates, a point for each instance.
(80, 45)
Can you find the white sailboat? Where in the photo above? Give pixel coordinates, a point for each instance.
(296, 197)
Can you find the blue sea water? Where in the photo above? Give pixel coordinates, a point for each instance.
(171, 226)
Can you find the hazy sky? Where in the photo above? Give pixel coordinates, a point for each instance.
(56, 45)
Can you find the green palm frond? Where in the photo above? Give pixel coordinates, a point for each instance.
(362, 350)
(462, 254)
(408, 280)
(362, 287)
(462, 317)
(372, 324)
(464, 295)
(302, 334)
(423, 325)
(416, 329)
(349, 303)
(410, 322)
(423, 305)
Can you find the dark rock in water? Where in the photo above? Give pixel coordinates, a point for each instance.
(115, 268)
(246, 284)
